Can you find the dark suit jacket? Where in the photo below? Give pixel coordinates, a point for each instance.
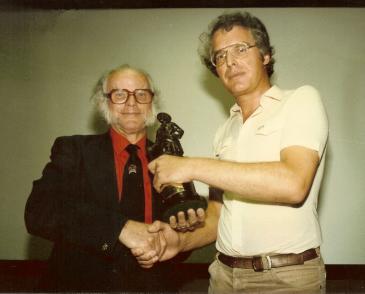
(75, 205)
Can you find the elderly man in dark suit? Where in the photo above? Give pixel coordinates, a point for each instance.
(83, 205)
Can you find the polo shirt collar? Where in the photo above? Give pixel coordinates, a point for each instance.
(272, 94)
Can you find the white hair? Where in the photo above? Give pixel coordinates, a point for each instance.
(101, 101)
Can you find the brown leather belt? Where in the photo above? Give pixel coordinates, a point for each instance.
(266, 262)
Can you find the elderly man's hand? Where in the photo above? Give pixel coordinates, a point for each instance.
(136, 235)
(171, 240)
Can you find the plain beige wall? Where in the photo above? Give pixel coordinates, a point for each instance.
(50, 61)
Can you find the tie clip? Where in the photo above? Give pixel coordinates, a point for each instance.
(132, 169)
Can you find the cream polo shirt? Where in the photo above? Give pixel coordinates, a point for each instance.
(284, 118)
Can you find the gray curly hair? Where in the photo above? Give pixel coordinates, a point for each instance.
(227, 21)
(101, 101)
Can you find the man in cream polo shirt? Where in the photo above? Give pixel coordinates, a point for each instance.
(269, 163)
(248, 228)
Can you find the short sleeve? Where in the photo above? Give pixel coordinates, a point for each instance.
(306, 121)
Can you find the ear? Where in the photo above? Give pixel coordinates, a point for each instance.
(266, 59)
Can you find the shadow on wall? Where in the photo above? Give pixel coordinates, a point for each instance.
(216, 90)
(325, 183)
(96, 123)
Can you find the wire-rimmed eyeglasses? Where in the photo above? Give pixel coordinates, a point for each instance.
(237, 50)
(120, 96)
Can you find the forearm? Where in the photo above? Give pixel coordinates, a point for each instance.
(270, 182)
(266, 182)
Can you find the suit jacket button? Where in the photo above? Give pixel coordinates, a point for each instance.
(104, 247)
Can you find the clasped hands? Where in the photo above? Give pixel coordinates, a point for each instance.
(151, 243)
(161, 241)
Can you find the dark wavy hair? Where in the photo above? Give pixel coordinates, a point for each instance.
(227, 21)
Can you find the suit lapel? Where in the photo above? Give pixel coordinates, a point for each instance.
(100, 167)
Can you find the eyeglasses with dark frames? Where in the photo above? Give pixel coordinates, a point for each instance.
(120, 96)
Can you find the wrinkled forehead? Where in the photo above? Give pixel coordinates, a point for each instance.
(125, 78)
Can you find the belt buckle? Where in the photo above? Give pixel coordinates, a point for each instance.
(261, 263)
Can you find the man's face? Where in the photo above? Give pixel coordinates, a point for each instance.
(130, 117)
(244, 75)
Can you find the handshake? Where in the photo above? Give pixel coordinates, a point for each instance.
(159, 241)
(184, 208)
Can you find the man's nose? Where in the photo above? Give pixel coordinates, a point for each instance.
(131, 100)
(230, 59)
